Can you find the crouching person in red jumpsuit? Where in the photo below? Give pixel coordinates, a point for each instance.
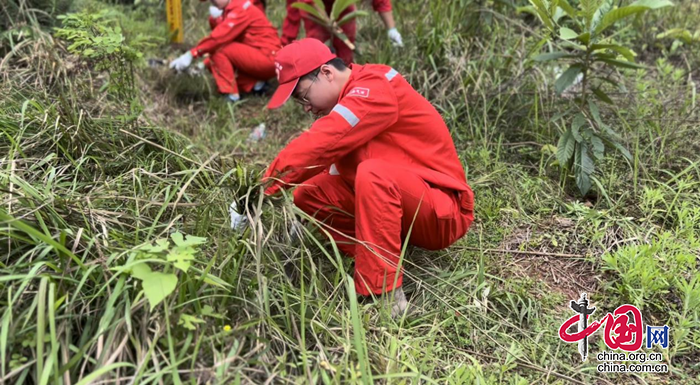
(241, 47)
(379, 161)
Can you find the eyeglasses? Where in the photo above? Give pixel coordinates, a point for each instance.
(303, 100)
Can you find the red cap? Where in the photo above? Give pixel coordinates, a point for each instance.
(294, 61)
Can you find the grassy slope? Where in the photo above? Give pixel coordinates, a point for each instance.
(82, 185)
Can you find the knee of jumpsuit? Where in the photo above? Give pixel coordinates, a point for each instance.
(314, 200)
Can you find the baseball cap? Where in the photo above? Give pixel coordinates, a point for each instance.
(294, 61)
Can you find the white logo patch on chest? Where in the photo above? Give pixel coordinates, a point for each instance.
(359, 91)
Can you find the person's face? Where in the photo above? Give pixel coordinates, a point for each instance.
(221, 4)
(318, 94)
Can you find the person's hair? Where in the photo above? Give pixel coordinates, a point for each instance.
(336, 62)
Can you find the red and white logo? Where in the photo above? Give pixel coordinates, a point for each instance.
(278, 68)
(359, 91)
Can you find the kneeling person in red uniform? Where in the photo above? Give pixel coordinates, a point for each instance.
(241, 47)
(380, 161)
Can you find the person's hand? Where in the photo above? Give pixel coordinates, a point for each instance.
(238, 221)
(215, 12)
(395, 37)
(182, 62)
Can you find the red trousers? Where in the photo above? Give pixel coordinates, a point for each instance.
(378, 211)
(237, 67)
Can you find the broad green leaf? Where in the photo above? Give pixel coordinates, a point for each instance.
(621, 63)
(652, 4)
(313, 12)
(567, 34)
(619, 147)
(598, 147)
(160, 246)
(602, 96)
(583, 168)
(339, 6)
(543, 13)
(578, 122)
(566, 79)
(157, 286)
(564, 4)
(190, 240)
(678, 33)
(182, 257)
(624, 51)
(140, 271)
(551, 56)
(599, 14)
(588, 8)
(616, 15)
(595, 112)
(565, 148)
(350, 16)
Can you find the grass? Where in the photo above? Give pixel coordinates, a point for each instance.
(87, 179)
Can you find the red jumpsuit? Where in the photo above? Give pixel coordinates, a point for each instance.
(290, 26)
(241, 47)
(382, 157)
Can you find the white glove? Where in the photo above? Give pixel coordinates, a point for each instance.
(182, 62)
(215, 12)
(395, 37)
(238, 221)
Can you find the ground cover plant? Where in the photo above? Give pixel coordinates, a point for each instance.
(119, 264)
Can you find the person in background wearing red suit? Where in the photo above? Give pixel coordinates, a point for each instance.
(290, 26)
(241, 47)
(378, 162)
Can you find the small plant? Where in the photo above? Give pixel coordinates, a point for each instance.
(590, 54)
(332, 22)
(97, 38)
(157, 285)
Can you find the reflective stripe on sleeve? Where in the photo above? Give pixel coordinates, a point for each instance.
(346, 114)
(390, 75)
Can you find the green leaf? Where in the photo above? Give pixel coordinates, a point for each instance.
(602, 96)
(653, 4)
(140, 271)
(161, 245)
(339, 6)
(191, 240)
(543, 13)
(182, 256)
(616, 15)
(624, 51)
(551, 56)
(567, 78)
(619, 147)
(188, 321)
(157, 286)
(567, 34)
(565, 148)
(563, 4)
(313, 12)
(583, 168)
(599, 14)
(598, 147)
(595, 112)
(350, 16)
(578, 122)
(621, 63)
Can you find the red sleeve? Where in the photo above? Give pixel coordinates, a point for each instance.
(213, 22)
(381, 5)
(367, 109)
(291, 23)
(227, 30)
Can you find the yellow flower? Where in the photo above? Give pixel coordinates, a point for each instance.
(227, 328)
